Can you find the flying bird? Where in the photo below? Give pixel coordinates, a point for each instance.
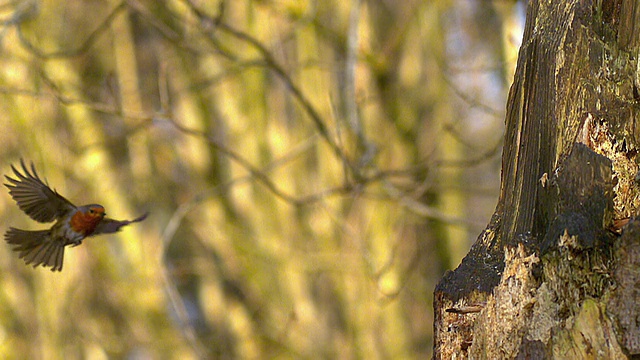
(72, 223)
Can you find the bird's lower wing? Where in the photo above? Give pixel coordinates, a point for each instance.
(36, 248)
(107, 226)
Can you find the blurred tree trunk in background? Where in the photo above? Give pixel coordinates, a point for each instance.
(556, 272)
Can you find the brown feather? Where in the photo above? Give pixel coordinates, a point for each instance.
(107, 225)
(34, 197)
(36, 247)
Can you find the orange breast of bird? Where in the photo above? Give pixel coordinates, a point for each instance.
(84, 223)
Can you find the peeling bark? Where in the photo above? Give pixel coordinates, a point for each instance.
(555, 274)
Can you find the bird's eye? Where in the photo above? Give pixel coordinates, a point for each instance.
(91, 211)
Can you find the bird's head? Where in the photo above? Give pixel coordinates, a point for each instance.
(87, 217)
(92, 211)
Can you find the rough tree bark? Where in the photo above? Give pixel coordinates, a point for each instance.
(556, 273)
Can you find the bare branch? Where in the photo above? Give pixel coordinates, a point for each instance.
(83, 48)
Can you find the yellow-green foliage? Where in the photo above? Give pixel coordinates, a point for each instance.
(311, 169)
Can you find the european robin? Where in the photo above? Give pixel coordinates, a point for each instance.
(72, 223)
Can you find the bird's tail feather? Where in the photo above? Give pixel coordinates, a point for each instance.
(36, 247)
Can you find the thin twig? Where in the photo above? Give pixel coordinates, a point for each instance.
(84, 47)
(272, 64)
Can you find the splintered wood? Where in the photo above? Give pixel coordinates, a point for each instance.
(597, 135)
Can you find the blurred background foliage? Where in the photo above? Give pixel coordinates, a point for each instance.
(311, 167)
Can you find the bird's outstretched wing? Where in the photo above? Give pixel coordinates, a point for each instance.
(34, 197)
(107, 225)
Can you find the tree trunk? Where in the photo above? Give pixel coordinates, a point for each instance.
(556, 273)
